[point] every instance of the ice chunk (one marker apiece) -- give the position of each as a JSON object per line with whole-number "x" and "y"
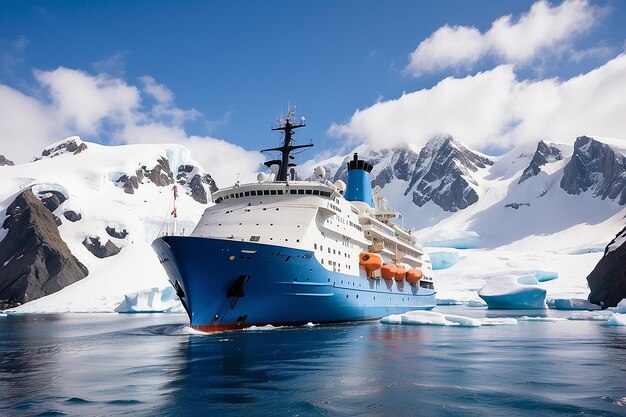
{"x": 620, "y": 308}
{"x": 498, "y": 321}
{"x": 574, "y": 304}
{"x": 591, "y": 315}
{"x": 617, "y": 319}
{"x": 443, "y": 259}
{"x": 550, "y": 303}
{"x": 543, "y": 276}
{"x": 463, "y": 321}
{"x": 266, "y": 327}
{"x": 448, "y": 302}
{"x": 510, "y": 292}
{"x": 527, "y": 318}
{"x": 422, "y": 317}
{"x": 392, "y": 319}
{"x": 152, "y": 300}
{"x": 3, "y": 314}
{"x": 476, "y": 303}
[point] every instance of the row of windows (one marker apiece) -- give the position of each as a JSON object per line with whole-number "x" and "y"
{"x": 272, "y": 192}
{"x": 335, "y": 252}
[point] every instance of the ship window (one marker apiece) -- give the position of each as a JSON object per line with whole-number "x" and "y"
{"x": 309, "y": 191}
{"x": 280, "y": 192}
{"x": 273, "y": 192}
{"x": 316, "y": 192}
{"x": 293, "y": 191}
{"x": 334, "y": 252}
{"x": 253, "y": 193}
{"x": 255, "y": 238}
{"x": 300, "y": 191}
{"x": 247, "y": 193}
{"x": 321, "y": 248}
{"x": 328, "y": 250}
{"x": 232, "y": 196}
{"x": 315, "y": 246}
{"x": 322, "y": 261}
{"x": 266, "y": 192}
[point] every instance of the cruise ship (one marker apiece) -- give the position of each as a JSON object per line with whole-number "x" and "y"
{"x": 283, "y": 251}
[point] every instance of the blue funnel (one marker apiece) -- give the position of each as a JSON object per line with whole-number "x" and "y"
{"x": 359, "y": 186}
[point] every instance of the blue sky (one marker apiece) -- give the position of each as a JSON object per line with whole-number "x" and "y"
{"x": 237, "y": 63}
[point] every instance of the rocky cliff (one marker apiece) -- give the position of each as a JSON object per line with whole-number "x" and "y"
{"x": 595, "y": 166}
{"x": 4, "y": 161}
{"x": 607, "y": 281}
{"x": 34, "y": 260}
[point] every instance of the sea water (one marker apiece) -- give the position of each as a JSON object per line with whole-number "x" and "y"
{"x": 155, "y": 365}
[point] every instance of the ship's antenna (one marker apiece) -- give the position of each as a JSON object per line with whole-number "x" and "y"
{"x": 287, "y": 125}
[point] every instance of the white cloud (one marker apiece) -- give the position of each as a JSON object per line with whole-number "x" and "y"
{"x": 544, "y": 30}
{"x": 495, "y": 109}
{"x": 71, "y": 102}
{"x": 83, "y": 101}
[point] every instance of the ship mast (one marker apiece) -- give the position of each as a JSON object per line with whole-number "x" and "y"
{"x": 287, "y": 125}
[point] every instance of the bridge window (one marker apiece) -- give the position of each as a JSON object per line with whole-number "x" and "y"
{"x": 266, "y": 192}
{"x": 273, "y": 192}
{"x": 300, "y": 191}
{"x": 316, "y": 192}
{"x": 293, "y": 191}
{"x": 247, "y": 193}
{"x": 309, "y": 191}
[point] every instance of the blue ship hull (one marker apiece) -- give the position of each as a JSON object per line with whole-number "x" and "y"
{"x": 226, "y": 284}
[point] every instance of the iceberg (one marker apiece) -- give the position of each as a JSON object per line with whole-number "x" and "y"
{"x": 448, "y": 302}
{"x": 617, "y": 319}
{"x": 476, "y": 303}
{"x": 432, "y": 318}
{"x": 574, "y": 304}
{"x": 152, "y": 300}
{"x": 498, "y": 321}
{"x": 591, "y": 316}
{"x": 510, "y": 292}
{"x": 620, "y": 307}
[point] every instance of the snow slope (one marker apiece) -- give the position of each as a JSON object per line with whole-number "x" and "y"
{"x": 89, "y": 182}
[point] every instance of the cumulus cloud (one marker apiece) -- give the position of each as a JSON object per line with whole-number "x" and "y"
{"x": 496, "y": 109}
{"x": 69, "y": 102}
{"x": 543, "y": 30}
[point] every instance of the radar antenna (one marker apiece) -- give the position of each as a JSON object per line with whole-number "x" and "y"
{"x": 287, "y": 125}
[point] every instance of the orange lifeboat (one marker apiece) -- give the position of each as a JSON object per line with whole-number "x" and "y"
{"x": 414, "y": 275}
{"x": 389, "y": 271}
{"x": 400, "y": 272}
{"x": 370, "y": 261}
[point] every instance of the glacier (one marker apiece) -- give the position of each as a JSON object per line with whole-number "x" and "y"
{"x": 152, "y": 300}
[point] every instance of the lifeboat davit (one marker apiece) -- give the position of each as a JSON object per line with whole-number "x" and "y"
{"x": 400, "y": 272}
{"x": 370, "y": 261}
{"x": 414, "y": 275}
{"x": 389, "y": 271}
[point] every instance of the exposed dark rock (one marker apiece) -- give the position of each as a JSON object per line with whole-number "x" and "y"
{"x": 57, "y": 221}
{"x": 51, "y": 199}
{"x": 195, "y": 185}
{"x": 607, "y": 281}
{"x": 38, "y": 262}
{"x": 68, "y": 146}
{"x": 443, "y": 174}
{"x": 597, "y": 167}
{"x": 98, "y": 249}
{"x": 516, "y": 205}
{"x": 72, "y": 216}
{"x": 161, "y": 174}
{"x": 130, "y": 184}
{"x": 111, "y": 231}
{"x": 5, "y": 162}
{"x": 545, "y": 153}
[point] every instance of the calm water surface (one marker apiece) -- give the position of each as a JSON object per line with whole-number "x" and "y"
{"x": 107, "y": 364}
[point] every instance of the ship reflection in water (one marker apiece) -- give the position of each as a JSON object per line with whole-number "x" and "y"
{"x": 156, "y": 365}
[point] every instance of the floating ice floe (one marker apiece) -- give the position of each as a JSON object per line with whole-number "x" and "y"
{"x": 591, "y": 315}
{"x": 3, "y": 315}
{"x": 309, "y": 324}
{"x": 476, "y": 303}
{"x": 528, "y": 318}
{"x": 266, "y": 327}
{"x": 458, "y": 239}
{"x": 574, "y": 304}
{"x": 421, "y": 317}
{"x": 543, "y": 276}
{"x": 448, "y": 302}
{"x": 498, "y": 321}
{"x": 510, "y": 292}
{"x": 616, "y": 319}
{"x": 152, "y": 300}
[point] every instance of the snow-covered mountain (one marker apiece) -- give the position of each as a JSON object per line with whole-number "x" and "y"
{"x": 109, "y": 203}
